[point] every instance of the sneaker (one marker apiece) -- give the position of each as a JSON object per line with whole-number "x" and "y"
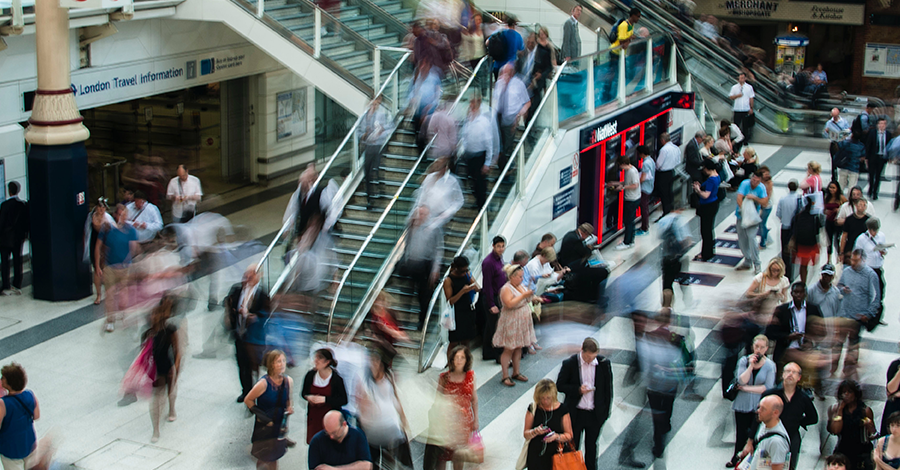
{"x": 757, "y": 269}
{"x": 641, "y": 233}
{"x": 623, "y": 246}
{"x": 16, "y": 291}
{"x": 110, "y": 327}
{"x": 742, "y": 266}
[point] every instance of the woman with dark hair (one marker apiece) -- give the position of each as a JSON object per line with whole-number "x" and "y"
{"x": 892, "y": 390}
{"x": 381, "y": 415}
{"x": 460, "y": 289}
{"x": 852, "y": 421}
{"x": 834, "y": 199}
{"x": 270, "y": 401}
{"x": 457, "y": 385}
{"x": 888, "y": 445}
{"x": 324, "y": 389}
{"x": 18, "y": 410}
{"x": 167, "y": 359}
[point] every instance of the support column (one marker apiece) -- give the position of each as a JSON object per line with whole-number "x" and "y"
{"x": 57, "y": 166}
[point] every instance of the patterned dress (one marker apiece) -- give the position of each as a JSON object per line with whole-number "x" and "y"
{"x": 515, "y": 329}
{"x": 460, "y": 394}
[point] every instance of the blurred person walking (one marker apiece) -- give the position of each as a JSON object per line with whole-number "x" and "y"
{"x": 381, "y": 415}
{"x": 306, "y": 205}
{"x": 849, "y": 157}
{"x": 96, "y": 222}
{"x": 755, "y": 191}
{"x": 18, "y": 411}
{"x": 853, "y": 422}
{"x": 185, "y": 193}
{"x": 668, "y": 159}
{"x": 792, "y": 326}
{"x": 876, "y": 155}
{"x": 799, "y": 410}
{"x": 675, "y": 238}
{"x": 324, "y": 390}
{"x": 707, "y": 208}
{"x": 458, "y": 386}
{"x": 14, "y": 228}
{"x": 755, "y": 374}
{"x": 853, "y": 226}
{"x": 786, "y": 210}
{"x": 545, "y": 61}
{"x": 806, "y": 228}
{"x": 586, "y": 379}
{"x": 442, "y": 127}
{"x": 859, "y": 285}
{"x": 493, "y": 279}
{"x": 422, "y": 258}
{"x": 766, "y": 208}
{"x": 118, "y": 244}
{"x": 339, "y": 446}
{"x": 144, "y": 216}
{"x": 515, "y": 329}
{"x": 834, "y": 199}
{"x": 480, "y": 141}
{"x": 662, "y": 362}
{"x": 424, "y": 93}
{"x": 460, "y": 288}
{"x": 547, "y": 425}
{"x": 271, "y": 403}
{"x": 504, "y": 45}
{"x": 510, "y": 101}
{"x": 246, "y": 310}
{"x": 571, "y": 45}
{"x": 440, "y": 193}
{"x": 771, "y": 283}
{"x": 166, "y": 345}
{"x": 375, "y": 130}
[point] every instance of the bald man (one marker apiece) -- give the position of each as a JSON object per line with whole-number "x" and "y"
{"x": 339, "y": 446}
{"x": 798, "y": 410}
{"x": 771, "y": 447}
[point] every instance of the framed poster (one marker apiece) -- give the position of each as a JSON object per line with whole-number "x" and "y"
{"x": 290, "y": 114}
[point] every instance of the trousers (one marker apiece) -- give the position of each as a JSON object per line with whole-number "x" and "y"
{"x": 585, "y": 422}
{"x": 707, "y": 213}
{"x": 876, "y": 168}
{"x": 747, "y": 243}
{"x": 663, "y": 187}
{"x": 661, "y": 410}
{"x": 371, "y": 165}
{"x": 16, "y": 254}
{"x": 847, "y": 179}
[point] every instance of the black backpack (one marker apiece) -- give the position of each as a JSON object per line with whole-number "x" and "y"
{"x": 613, "y": 35}
{"x": 497, "y": 47}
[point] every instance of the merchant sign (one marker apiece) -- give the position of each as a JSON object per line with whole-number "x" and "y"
{"x": 803, "y": 12}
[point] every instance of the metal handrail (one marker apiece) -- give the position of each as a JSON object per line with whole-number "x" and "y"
{"x": 328, "y": 165}
{"x": 357, "y": 318}
{"x": 484, "y": 208}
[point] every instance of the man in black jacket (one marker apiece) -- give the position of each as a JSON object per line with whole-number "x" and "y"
{"x": 692, "y": 159}
{"x": 798, "y": 407}
{"x": 876, "y": 155}
{"x": 586, "y": 379}
{"x": 587, "y": 283}
{"x": 790, "y": 325}
{"x": 13, "y": 232}
{"x": 246, "y": 310}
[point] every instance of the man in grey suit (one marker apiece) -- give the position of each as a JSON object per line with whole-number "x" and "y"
{"x": 571, "y": 46}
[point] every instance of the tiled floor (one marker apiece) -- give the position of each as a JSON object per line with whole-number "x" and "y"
{"x": 76, "y": 371}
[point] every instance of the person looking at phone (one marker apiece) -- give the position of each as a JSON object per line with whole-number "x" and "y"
{"x": 859, "y": 286}
{"x": 586, "y": 379}
{"x": 755, "y": 374}
{"x": 546, "y": 423}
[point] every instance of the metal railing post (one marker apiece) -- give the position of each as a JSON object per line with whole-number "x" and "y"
{"x": 648, "y": 70}
{"x": 589, "y": 96}
{"x": 673, "y": 65}
{"x": 395, "y": 88}
{"x": 376, "y": 70}
{"x": 317, "y": 37}
{"x": 260, "y": 8}
{"x": 621, "y": 75}
{"x": 485, "y": 235}
{"x": 520, "y": 173}
{"x": 554, "y": 110}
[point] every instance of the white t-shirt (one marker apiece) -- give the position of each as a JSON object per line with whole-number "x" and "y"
{"x": 772, "y": 450}
{"x": 188, "y": 188}
{"x": 742, "y": 104}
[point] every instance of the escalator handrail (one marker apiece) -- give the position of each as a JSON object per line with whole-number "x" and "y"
{"x": 328, "y": 165}
{"x": 357, "y": 318}
{"x": 438, "y": 290}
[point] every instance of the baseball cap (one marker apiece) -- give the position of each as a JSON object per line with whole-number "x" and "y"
{"x": 828, "y": 269}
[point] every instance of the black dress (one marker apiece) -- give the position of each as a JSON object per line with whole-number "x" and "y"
{"x": 464, "y": 311}
{"x": 540, "y": 454}
{"x": 851, "y": 442}
{"x": 163, "y": 352}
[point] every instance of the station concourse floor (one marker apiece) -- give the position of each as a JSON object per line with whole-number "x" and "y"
{"x": 75, "y": 369}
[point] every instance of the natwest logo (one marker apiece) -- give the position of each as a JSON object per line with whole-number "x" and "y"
{"x": 604, "y": 132}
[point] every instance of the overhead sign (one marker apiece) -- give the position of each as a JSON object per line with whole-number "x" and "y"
{"x": 807, "y": 12}
{"x": 94, "y": 3}
{"x": 600, "y": 131}
{"x": 882, "y": 60}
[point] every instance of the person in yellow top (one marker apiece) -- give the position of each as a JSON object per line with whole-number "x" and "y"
{"x": 625, "y": 31}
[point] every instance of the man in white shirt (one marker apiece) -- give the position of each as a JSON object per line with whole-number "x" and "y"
{"x": 668, "y": 159}
{"x": 511, "y": 102}
{"x": 144, "y": 217}
{"x": 185, "y": 192}
{"x": 375, "y": 128}
{"x": 869, "y": 242}
{"x": 440, "y": 193}
{"x": 836, "y": 130}
{"x": 480, "y": 139}
{"x": 742, "y": 95}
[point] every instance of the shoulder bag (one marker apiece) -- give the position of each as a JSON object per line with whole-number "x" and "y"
{"x": 573, "y": 460}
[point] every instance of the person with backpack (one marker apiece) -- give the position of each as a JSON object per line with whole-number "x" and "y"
{"x": 862, "y": 122}
{"x": 675, "y": 240}
{"x": 772, "y": 447}
{"x": 806, "y": 227}
{"x": 620, "y": 36}
{"x": 18, "y": 411}
{"x": 850, "y": 154}
{"x": 504, "y": 45}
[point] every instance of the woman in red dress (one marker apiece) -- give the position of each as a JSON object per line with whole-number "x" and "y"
{"x": 458, "y": 386}
{"x": 324, "y": 389}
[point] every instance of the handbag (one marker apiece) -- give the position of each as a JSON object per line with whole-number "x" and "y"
{"x": 140, "y": 376}
{"x": 731, "y": 391}
{"x": 573, "y": 460}
{"x": 473, "y": 451}
{"x": 522, "y": 461}
{"x": 268, "y": 442}
{"x": 749, "y": 214}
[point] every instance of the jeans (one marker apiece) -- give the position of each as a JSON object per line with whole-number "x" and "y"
{"x": 747, "y": 242}
{"x": 629, "y": 209}
{"x": 707, "y": 213}
{"x": 645, "y": 211}
{"x": 763, "y": 231}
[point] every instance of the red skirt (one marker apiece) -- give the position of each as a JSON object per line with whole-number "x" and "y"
{"x": 807, "y": 255}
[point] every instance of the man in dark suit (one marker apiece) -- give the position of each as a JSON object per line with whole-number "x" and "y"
{"x": 246, "y": 311}
{"x": 586, "y": 379}
{"x": 693, "y": 162}
{"x": 14, "y": 225}
{"x": 794, "y": 324}
{"x": 876, "y": 155}
{"x": 587, "y": 282}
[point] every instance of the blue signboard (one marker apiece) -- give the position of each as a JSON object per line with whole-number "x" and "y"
{"x": 565, "y": 177}
{"x": 563, "y": 202}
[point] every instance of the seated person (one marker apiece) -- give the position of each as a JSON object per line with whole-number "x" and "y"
{"x": 540, "y": 267}
{"x": 588, "y": 283}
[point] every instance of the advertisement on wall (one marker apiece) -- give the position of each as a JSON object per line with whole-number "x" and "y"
{"x": 290, "y": 114}
{"x": 802, "y": 12}
{"x": 882, "y": 60}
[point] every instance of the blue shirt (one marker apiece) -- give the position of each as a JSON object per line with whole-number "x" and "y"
{"x": 744, "y": 189}
{"x": 648, "y": 167}
{"x": 514, "y": 44}
{"x": 118, "y": 244}
{"x": 712, "y": 185}
{"x": 17, "y": 436}
{"x": 327, "y": 451}
{"x": 848, "y": 155}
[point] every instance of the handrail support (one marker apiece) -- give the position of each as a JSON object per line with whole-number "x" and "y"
{"x": 621, "y": 74}
{"x": 317, "y": 34}
{"x": 589, "y": 96}
{"x": 648, "y": 70}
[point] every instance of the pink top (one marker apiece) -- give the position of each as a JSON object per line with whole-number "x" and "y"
{"x": 814, "y": 184}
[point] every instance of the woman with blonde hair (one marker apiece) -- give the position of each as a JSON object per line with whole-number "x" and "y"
{"x": 772, "y": 281}
{"x": 270, "y": 400}
{"x": 706, "y": 147}
{"x": 514, "y": 328}
{"x": 546, "y": 423}
{"x": 755, "y": 374}
{"x": 813, "y": 182}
